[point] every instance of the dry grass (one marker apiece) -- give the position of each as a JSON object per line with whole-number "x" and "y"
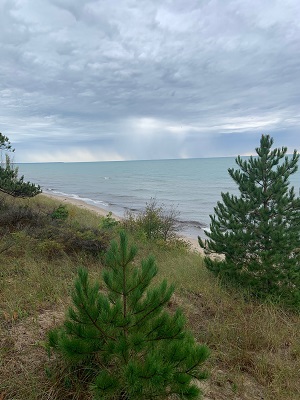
{"x": 255, "y": 348}
{"x": 253, "y": 345}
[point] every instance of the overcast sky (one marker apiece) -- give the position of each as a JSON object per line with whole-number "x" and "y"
{"x": 88, "y": 80}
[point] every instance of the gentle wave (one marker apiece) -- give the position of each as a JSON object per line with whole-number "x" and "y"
{"x": 77, "y": 197}
{"x": 195, "y": 224}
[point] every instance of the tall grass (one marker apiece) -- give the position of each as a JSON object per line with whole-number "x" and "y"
{"x": 255, "y": 347}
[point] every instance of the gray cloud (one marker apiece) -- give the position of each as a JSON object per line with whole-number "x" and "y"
{"x": 99, "y": 80}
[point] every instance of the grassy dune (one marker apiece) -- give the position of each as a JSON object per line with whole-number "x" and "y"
{"x": 255, "y": 348}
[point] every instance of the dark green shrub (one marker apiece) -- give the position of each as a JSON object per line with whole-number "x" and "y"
{"x": 50, "y": 230}
{"x": 91, "y": 241}
{"x": 10, "y": 183}
{"x": 131, "y": 346}
{"x": 74, "y": 240}
{"x": 61, "y": 213}
{"x": 16, "y": 217}
{"x": 108, "y": 222}
{"x": 13, "y": 185}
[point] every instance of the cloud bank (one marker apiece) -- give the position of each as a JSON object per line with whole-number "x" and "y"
{"x": 96, "y": 80}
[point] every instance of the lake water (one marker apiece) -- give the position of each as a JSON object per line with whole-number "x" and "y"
{"x": 193, "y": 186}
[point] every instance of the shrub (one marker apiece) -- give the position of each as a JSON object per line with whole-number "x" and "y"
{"x": 16, "y": 217}
{"x": 155, "y": 221}
{"x": 51, "y": 231}
{"x": 50, "y": 248}
{"x": 61, "y": 213}
{"x": 92, "y": 241}
{"x": 74, "y": 240}
{"x": 108, "y": 222}
{"x": 132, "y": 348}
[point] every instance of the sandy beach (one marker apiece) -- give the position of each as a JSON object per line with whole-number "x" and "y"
{"x": 81, "y": 204}
{"x": 103, "y": 213}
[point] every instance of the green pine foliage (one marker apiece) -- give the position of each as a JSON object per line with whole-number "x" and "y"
{"x": 108, "y": 222}
{"x": 5, "y": 143}
{"x": 133, "y": 346}
{"x": 257, "y": 232}
{"x": 10, "y": 183}
{"x": 13, "y": 185}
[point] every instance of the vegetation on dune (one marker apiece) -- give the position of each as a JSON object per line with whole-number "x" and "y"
{"x": 50, "y": 231}
{"x": 258, "y": 231}
{"x": 10, "y": 183}
{"x": 155, "y": 222}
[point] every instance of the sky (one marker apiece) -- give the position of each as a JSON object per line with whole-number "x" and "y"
{"x": 89, "y": 80}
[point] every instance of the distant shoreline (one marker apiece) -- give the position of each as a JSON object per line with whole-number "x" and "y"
{"x": 103, "y": 213}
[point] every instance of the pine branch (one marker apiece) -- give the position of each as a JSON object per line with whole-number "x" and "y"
{"x": 150, "y": 312}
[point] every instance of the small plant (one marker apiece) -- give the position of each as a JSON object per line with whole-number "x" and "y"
{"x": 61, "y": 213}
{"x": 108, "y": 222}
{"x": 133, "y": 348}
{"x": 154, "y": 222}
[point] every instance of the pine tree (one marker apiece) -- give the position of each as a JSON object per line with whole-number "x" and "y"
{"x": 5, "y": 143}
{"x": 258, "y": 231}
{"x": 10, "y": 183}
{"x": 140, "y": 350}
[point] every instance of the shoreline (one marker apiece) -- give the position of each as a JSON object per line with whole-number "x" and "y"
{"x": 103, "y": 213}
{"x": 81, "y": 204}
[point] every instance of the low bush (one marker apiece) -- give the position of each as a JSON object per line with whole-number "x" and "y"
{"x": 91, "y": 241}
{"x": 60, "y": 213}
{"x": 52, "y": 233}
{"x": 108, "y": 222}
{"x": 155, "y": 222}
{"x": 17, "y": 217}
{"x": 74, "y": 240}
{"x": 50, "y": 248}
